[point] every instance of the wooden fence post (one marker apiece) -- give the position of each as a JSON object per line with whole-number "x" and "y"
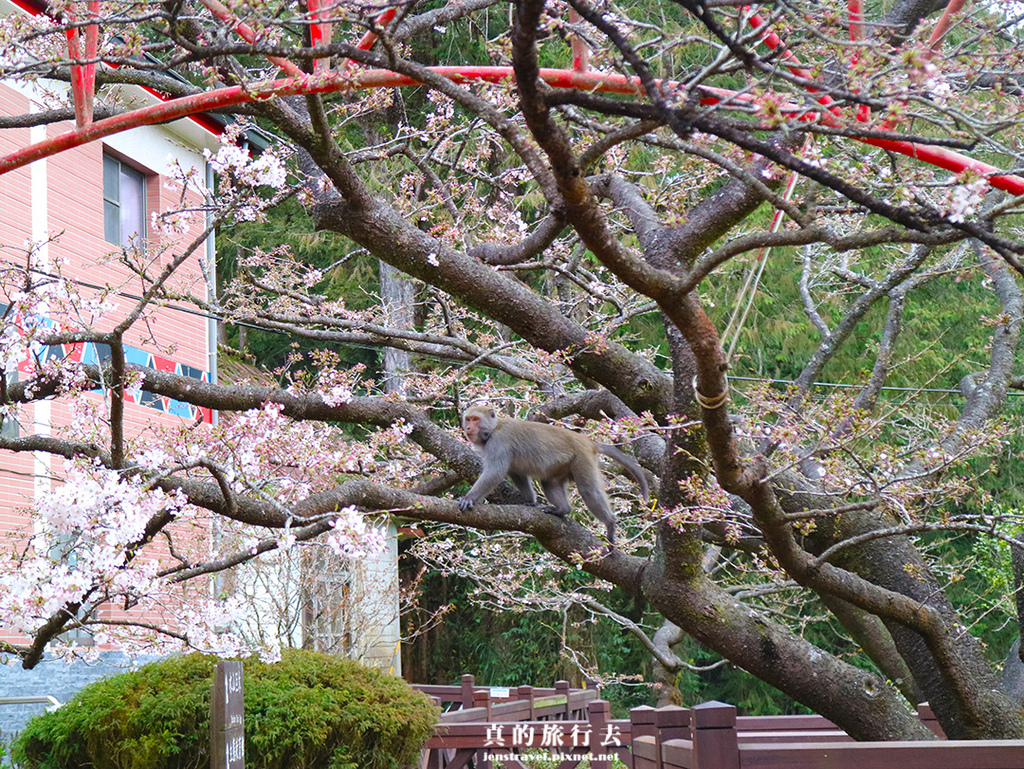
{"x": 526, "y": 693}
{"x": 641, "y": 721}
{"x": 927, "y": 716}
{"x": 714, "y": 736}
{"x": 562, "y": 690}
{"x": 482, "y": 699}
{"x": 468, "y": 686}
{"x": 598, "y": 716}
{"x": 434, "y": 759}
{"x": 672, "y": 723}
{"x": 643, "y": 738}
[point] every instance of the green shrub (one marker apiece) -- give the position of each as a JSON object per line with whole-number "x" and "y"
{"x": 309, "y": 711}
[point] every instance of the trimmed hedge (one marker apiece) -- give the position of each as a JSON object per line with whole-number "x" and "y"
{"x": 309, "y": 711}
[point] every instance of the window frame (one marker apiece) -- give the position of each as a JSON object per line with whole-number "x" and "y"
{"x": 9, "y": 428}
{"x": 115, "y": 172}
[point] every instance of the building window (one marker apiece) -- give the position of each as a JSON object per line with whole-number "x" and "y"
{"x": 124, "y": 204}
{"x": 62, "y": 550}
{"x": 8, "y": 424}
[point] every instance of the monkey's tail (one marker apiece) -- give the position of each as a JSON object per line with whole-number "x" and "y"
{"x": 629, "y": 463}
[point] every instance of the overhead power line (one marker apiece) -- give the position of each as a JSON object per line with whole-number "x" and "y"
{"x": 220, "y": 318}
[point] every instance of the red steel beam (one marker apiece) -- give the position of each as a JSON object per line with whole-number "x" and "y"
{"x": 83, "y": 75}
{"x": 557, "y": 78}
{"x": 246, "y": 32}
{"x": 580, "y": 49}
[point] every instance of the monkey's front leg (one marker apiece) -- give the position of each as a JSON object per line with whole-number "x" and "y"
{"x": 488, "y": 481}
{"x": 521, "y": 482}
{"x": 496, "y": 464}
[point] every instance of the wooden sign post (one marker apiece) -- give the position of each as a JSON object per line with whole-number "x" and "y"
{"x": 227, "y": 717}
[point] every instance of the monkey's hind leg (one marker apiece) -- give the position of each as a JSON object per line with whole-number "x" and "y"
{"x": 558, "y": 500}
{"x": 525, "y": 487}
{"x": 591, "y": 487}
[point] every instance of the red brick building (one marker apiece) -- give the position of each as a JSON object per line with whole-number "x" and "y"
{"x": 81, "y": 209}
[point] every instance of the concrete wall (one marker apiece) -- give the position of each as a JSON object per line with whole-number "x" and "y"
{"x": 54, "y": 678}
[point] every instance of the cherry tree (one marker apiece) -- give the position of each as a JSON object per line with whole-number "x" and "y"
{"x": 584, "y": 242}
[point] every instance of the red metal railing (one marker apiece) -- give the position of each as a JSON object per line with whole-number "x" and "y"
{"x": 580, "y": 77}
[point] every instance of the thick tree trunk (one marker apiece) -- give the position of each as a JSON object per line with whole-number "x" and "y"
{"x": 399, "y": 295}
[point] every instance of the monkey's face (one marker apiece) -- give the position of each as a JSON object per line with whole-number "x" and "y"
{"x": 477, "y": 425}
{"x": 471, "y": 427}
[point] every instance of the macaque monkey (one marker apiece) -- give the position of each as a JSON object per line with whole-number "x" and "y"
{"x": 523, "y": 450}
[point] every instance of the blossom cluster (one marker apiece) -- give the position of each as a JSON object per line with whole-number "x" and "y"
{"x": 263, "y": 170}
{"x": 242, "y": 176}
{"x": 88, "y": 528}
{"x": 965, "y": 199}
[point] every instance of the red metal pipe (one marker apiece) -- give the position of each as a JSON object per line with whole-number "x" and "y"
{"x": 580, "y": 49}
{"x": 855, "y": 12}
{"x": 945, "y": 22}
{"x": 578, "y": 78}
{"x": 77, "y": 87}
{"x": 226, "y": 97}
{"x": 92, "y": 45}
{"x": 366, "y": 41}
{"x": 320, "y": 30}
{"x": 794, "y": 65}
{"x": 83, "y": 76}
{"x": 557, "y": 78}
{"x": 940, "y": 157}
{"x": 244, "y": 31}
{"x": 773, "y": 41}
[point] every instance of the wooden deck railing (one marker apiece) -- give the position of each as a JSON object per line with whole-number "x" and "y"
{"x": 571, "y": 725}
{"x": 720, "y": 740}
{"x": 505, "y": 704}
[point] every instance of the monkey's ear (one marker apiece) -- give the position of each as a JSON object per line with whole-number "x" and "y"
{"x": 493, "y": 415}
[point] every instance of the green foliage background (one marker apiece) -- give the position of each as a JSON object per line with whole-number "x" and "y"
{"x": 941, "y": 342}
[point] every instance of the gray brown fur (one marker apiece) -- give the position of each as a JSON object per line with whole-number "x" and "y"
{"x": 553, "y": 455}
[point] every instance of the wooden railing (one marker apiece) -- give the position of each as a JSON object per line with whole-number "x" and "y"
{"x": 571, "y": 725}
{"x": 720, "y": 740}
{"x": 506, "y": 704}
{"x": 483, "y": 724}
